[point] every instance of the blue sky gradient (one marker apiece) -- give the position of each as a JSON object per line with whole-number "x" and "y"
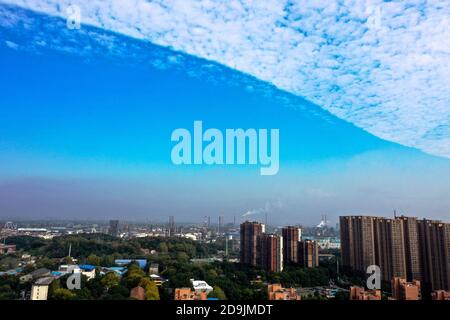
{"x": 85, "y": 129}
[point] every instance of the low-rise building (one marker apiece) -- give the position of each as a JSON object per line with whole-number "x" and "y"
{"x": 201, "y": 286}
{"x": 7, "y": 248}
{"x": 39, "y": 290}
{"x": 199, "y": 291}
{"x": 36, "y": 274}
{"x": 154, "y": 268}
{"x": 440, "y": 295}
{"x": 69, "y": 268}
{"x": 88, "y": 271}
{"x": 403, "y": 290}
{"x": 125, "y": 262}
{"x": 158, "y": 280}
{"x": 11, "y": 272}
{"x": 358, "y": 293}
{"x": 277, "y": 292}
{"x": 189, "y": 294}
{"x": 120, "y": 271}
{"x": 85, "y": 269}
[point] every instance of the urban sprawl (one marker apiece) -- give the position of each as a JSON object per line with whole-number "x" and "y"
{"x": 216, "y": 261}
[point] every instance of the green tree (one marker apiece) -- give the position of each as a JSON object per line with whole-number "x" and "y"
{"x": 53, "y": 287}
{"x": 110, "y": 280}
{"x": 182, "y": 257}
{"x": 133, "y": 276}
{"x": 163, "y": 248}
{"x": 96, "y": 287}
{"x": 217, "y": 293}
{"x": 211, "y": 274}
{"x": 68, "y": 260}
{"x": 48, "y": 263}
{"x": 63, "y": 294}
{"x": 9, "y": 262}
{"x": 151, "y": 290}
{"x": 117, "y": 293}
{"x": 7, "y": 293}
{"x": 94, "y": 260}
{"x": 107, "y": 260}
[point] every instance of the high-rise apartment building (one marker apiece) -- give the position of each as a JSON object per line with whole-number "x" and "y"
{"x": 261, "y": 249}
{"x": 411, "y": 244}
{"x": 389, "y": 247}
{"x": 402, "y": 247}
{"x": 434, "y": 247}
{"x": 270, "y": 252}
{"x": 220, "y": 224}
{"x": 172, "y": 228}
{"x": 308, "y": 253}
{"x": 250, "y": 232}
{"x": 114, "y": 227}
{"x": 357, "y": 241}
{"x": 291, "y": 238}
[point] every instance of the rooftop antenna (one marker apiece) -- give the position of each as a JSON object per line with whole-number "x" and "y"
{"x": 395, "y": 213}
{"x": 266, "y": 219}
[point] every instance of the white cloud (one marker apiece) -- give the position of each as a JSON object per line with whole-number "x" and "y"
{"x": 11, "y": 44}
{"x": 384, "y": 66}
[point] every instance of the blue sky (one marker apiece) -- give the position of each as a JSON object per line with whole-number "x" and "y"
{"x": 382, "y": 65}
{"x": 85, "y": 124}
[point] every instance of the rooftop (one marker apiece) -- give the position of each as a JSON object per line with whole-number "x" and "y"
{"x": 201, "y": 285}
{"x": 44, "y": 281}
{"x": 86, "y": 267}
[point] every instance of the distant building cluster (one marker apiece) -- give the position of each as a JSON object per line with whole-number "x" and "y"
{"x": 326, "y": 243}
{"x": 11, "y": 229}
{"x": 403, "y": 247}
{"x": 273, "y": 251}
{"x": 6, "y": 249}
